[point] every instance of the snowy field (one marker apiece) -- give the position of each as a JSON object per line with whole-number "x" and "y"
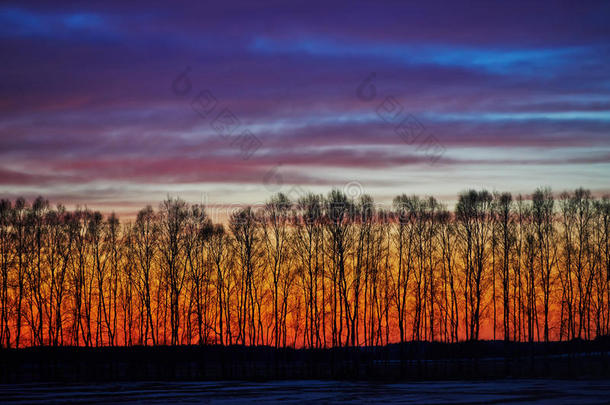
{"x": 228, "y": 392}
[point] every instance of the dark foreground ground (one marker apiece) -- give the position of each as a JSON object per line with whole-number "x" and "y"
{"x": 533, "y": 391}
{"x": 414, "y": 361}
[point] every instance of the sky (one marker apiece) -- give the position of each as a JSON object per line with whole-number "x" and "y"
{"x": 115, "y": 105}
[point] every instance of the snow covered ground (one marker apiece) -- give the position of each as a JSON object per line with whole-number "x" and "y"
{"x": 227, "y": 392}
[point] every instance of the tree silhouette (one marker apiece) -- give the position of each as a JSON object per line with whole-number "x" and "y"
{"x": 322, "y": 271}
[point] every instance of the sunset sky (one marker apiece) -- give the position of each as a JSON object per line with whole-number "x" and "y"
{"x": 93, "y": 110}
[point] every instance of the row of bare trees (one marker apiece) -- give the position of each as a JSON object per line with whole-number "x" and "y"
{"x": 318, "y": 272}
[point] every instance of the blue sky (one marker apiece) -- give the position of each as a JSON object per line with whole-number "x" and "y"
{"x": 506, "y": 96}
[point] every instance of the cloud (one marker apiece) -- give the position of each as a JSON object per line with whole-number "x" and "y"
{"x": 87, "y": 92}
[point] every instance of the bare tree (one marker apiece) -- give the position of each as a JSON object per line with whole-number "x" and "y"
{"x": 173, "y": 216}
{"x": 275, "y": 223}
{"x": 505, "y": 222}
{"x": 144, "y": 240}
{"x": 113, "y": 244}
{"x": 447, "y": 234}
{"x": 406, "y": 214}
{"x": 197, "y": 232}
{"x": 326, "y": 272}
{"x": 544, "y": 219}
{"x": 338, "y": 210}
{"x": 245, "y": 228}
{"x": 308, "y": 238}
{"x": 473, "y": 213}
{"x": 6, "y": 259}
{"x": 221, "y": 256}
{"x": 60, "y": 237}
